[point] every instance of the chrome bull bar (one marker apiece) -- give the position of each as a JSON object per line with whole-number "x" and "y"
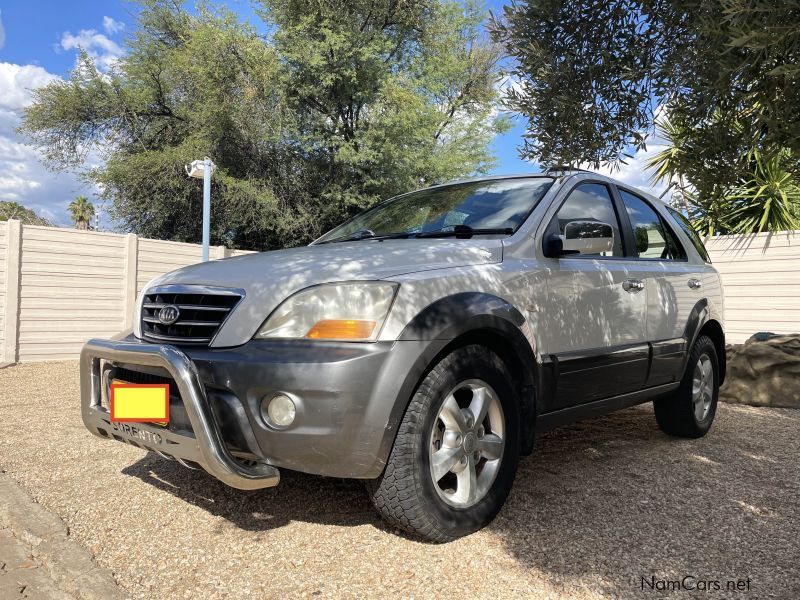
{"x": 207, "y": 447}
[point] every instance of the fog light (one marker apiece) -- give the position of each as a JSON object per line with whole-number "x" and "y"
{"x": 280, "y": 410}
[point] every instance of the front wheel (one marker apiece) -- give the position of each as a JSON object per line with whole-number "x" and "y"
{"x": 690, "y": 411}
{"x": 456, "y": 451}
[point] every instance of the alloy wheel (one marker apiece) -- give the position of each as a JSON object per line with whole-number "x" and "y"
{"x": 702, "y": 387}
{"x": 467, "y": 442}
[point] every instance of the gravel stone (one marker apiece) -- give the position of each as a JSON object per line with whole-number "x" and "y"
{"x": 597, "y": 508}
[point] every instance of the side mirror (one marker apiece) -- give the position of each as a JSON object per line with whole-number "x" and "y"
{"x": 581, "y": 237}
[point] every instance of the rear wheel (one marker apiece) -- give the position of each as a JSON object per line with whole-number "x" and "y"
{"x": 455, "y": 456}
{"x": 691, "y": 410}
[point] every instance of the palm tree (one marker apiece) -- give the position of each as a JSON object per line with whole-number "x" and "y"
{"x": 81, "y": 211}
{"x": 768, "y": 198}
{"x": 764, "y": 194}
{"x": 666, "y": 163}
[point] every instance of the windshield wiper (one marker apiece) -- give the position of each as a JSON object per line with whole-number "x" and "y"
{"x": 367, "y": 234}
{"x": 463, "y": 231}
{"x": 459, "y": 231}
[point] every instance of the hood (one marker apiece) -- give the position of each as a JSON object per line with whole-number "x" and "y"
{"x": 268, "y": 278}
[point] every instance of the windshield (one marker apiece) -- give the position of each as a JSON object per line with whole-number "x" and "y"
{"x": 495, "y": 206}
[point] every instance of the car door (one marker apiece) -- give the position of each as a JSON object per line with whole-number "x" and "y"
{"x": 672, "y": 282}
{"x": 593, "y": 321}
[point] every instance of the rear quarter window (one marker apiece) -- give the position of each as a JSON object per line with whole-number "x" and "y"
{"x": 684, "y": 224}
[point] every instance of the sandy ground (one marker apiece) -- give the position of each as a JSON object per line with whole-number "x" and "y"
{"x": 597, "y": 508}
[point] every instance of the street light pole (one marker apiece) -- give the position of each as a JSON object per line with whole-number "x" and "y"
{"x": 202, "y": 169}
{"x": 206, "y": 206}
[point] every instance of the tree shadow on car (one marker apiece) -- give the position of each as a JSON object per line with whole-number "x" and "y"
{"x": 298, "y": 497}
{"x": 609, "y": 504}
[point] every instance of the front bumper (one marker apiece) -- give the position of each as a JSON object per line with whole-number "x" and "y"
{"x": 349, "y": 399}
{"x": 206, "y": 448}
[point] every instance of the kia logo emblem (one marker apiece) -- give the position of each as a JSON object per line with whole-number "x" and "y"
{"x": 168, "y": 314}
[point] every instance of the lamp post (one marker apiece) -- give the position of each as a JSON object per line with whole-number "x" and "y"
{"x": 202, "y": 169}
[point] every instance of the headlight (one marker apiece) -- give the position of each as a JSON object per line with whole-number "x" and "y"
{"x": 353, "y": 311}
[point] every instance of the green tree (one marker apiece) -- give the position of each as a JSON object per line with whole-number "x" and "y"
{"x": 592, "y": 74}
{"x": 15, "y": 210}
{"x": 341, "y": 104}
{"x": 762, "y": 195}
{"x": 81, "y": 212}
{"x": 767, "y": 198}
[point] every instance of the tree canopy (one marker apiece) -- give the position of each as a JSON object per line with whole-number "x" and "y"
{"x": 81, "y": 212}
{"x": 593, "y": 76}
{"x": 15, "y": 210}
{"x": 326, "y": 108}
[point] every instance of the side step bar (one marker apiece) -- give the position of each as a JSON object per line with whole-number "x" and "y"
{"x": 207, "y": 447}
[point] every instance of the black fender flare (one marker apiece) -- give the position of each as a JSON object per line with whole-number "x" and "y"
{"x": 448, "y": 317}
{"x": 439, "y": 324}
{"x": 699, "y": 316}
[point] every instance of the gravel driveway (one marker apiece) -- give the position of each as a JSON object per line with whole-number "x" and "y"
{"x": 598, "y": 507}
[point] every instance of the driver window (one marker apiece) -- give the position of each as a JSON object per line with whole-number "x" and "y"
{"x": 591, "y": 202}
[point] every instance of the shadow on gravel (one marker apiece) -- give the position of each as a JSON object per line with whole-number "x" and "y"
{"x": 298, "y": 497}
{"x": 603, "y": 503}
{"x": 610, "y": 501}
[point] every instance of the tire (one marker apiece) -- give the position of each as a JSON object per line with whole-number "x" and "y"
{"x": 681, "y": 414}
{"x": 406, "y": 495}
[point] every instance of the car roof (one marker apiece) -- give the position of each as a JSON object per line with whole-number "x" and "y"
{"x": 558, "y": 173}
{"x": 562, "y": 174}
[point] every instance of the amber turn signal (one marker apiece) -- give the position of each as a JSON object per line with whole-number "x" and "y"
{"x": 338, "y": 329}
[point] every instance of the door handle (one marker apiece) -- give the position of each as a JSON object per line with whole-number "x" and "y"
{"x": 695, "y": 284}
{"x": 633, "y": 285}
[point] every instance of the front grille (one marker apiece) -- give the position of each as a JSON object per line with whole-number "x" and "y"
{"x": 138, "y": 377}
{"x": 201, "y": 312}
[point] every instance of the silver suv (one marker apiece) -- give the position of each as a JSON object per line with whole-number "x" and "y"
{"x": 421, "y": 345}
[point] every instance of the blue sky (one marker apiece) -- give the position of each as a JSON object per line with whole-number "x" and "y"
{"x": 39, "y": 41}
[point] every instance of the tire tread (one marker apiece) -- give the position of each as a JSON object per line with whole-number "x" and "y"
{"x": 395, "y": 494}
{"x": 675, "y": 413}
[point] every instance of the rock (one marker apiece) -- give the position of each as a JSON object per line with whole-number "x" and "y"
{"x": 761, "y": 336}
{"x": 730, "y": 352}
{"x": 765, "y": 371}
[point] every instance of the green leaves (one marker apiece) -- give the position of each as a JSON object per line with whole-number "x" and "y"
{"x": 590, "y": 70}
{"x": 760, "y": 194}
{"x": 340, "y": 104}
{"x": 81, "y": 211}
{"x": 768, "y": 199}
{"x": 15, "y": 210}
{"x": 593, "y": 73}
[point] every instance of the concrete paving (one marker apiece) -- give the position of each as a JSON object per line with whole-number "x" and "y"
{"x": 38, "y": 560}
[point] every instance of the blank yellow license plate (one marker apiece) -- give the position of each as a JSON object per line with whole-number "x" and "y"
{"x": 139, "y": 403}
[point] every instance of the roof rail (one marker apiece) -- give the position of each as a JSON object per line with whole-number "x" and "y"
{"x": 567, "y": 168}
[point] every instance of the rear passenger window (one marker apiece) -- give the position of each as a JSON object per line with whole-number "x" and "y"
{"x": 653, "y": 237}
{"x": 684, "y": 224}
{"x": 591, "y": 202}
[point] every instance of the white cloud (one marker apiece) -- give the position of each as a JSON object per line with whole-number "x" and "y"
{"x": 2, "y": 32}
{"x": 503, "y": 86}
{"x": 23, "y": 177}
{"x": 16, "y": 83}
{"x": 635, "y": 172}
{"x": 112, "y": 26}
{"x": 510, "y": 83}
{"x": 103, "y": 50}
